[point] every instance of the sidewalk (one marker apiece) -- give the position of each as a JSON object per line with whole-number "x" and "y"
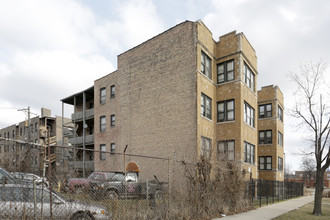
{"x": 271, "y": 211}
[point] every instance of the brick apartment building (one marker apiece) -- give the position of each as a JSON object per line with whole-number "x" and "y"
{"x": 181, "y": 95}
{"x": 22, "y": 145}
{"x": 308, "y": 178}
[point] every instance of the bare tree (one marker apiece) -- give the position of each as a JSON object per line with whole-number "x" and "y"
{"x": 313, "y": 111}
{"x": 308, "y": 165}
{"x": 287, "y": 171}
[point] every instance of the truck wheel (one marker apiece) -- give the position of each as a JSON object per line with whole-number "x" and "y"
{"x": 78, "y": 189}
{"x": 158, "y": 194}
{"x": 113, "y": 195}
{"x": 81, "y": 216}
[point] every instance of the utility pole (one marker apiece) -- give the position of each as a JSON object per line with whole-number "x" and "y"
{"x": 28, "y": 112}
{"x": 28, "y": 152}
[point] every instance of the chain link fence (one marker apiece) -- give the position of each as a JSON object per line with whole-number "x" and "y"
{"x": 37, "y": 182}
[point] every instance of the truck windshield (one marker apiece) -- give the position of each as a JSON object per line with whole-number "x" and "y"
{"x": 130, "y": 177}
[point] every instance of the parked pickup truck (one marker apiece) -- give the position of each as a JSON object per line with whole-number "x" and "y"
{"x": 129, "y": 186}
{"x": 79, "y": 184}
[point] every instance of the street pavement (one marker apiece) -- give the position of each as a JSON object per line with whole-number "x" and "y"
{"x": 271, "y": 211}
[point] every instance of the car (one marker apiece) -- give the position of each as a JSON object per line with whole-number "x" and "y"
{"x": 31, "y": 177}
{"x": 7, "y": 178}
{"x": 83, "y": 184}
{"x": 25, "y": 202}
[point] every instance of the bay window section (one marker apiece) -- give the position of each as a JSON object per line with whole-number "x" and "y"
{"x": 265, "y": 111}
{"x": 249, "y": 152}
{"x": 206, "y": 65}
{"x": 280, "y": 163}
{"x": 206, "y": 147}
{"x": 249, "y": 115}
{"x": 226, "y": 150}
{"x": 280, "y": 113}
{"x": 206, "y": 106}
{"x": 265, "y": 163}
{"x": 249, "y": 77}
{"x": 226, "y": 71}
{"x": 226, "y": 111}
{"x": 265, "y": 137}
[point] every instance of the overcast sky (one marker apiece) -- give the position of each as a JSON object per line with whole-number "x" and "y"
{"x": 51, "y": 49}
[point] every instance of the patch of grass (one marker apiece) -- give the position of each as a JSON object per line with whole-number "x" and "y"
{"x": 306, "y": 212}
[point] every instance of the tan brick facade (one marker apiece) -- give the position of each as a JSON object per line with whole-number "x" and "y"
{"x": 272, "y": 95}
{"x": 169, "y": 96}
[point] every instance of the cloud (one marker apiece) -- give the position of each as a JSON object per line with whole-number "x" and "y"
{"x": 136, "y": 22}
{"x": 51, "y": 49}
{"x": 46, "y": 25}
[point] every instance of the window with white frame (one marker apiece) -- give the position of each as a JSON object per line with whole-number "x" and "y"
{"x": 249, "y": 150}
{"x": 206, "y": 147}
{"x": 265, "y": 137}
{"x": 206, "y": 106}
{"x": 249, "y": 114}
{"x": 103, "y": 94}
{"x": 280, "y": 163}
{"x": 280, "y": 113}
{"x": 280, "y": 138}
{"x": 206, "y": 65}
{"x": 249, "y": 77}
{"x": 102, "y": 124}
{"x": 102, "y": 152}
{"x": 265, "y": 163}
{"x": 226, "y": 111}
{"x": 265, "y": 111}
{"x": 226, "y": 150}
{"x": 226, "y": 71}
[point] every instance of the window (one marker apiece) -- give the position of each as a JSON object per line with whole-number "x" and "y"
{"x": 265, "y": 137}
{"x": 102, "y": 123}
{"x": 102, "y": 152}
{"x": 226, "y": 71}
{"x": 113, "y": 120}
{"x": 226, "y": 150}
{"x": 280, "y": 113}
{"x": 265, "y": 111}
{"x": 280, "y": 163}
{"x": 31, "y": 128}
{"x": 20, "y": 131}
{"x": 36, "y": 127}
{"x": 280, "y": 139}
{"x": 206, "y": 65}
{"x": 226, "y": 111}
{"x": 206, "y": 106}
{"x": 249, "y": 77}
{"x": 103, "y": 94}
{"x": 112, "y": 148}
{"x": 248, "y": 114}
{"x": 36, "y": 160}
{"x": 112, "y": 91}
{"x": 205, "y": 147}
{"x": 248, "y": 153}
{"x": 265, "y": 163}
